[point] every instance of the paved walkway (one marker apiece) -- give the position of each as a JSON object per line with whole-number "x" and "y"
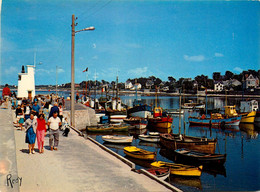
{"x": 78, "y": 165}
{"x": 8, "y": 166}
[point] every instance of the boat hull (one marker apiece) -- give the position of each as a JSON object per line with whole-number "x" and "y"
{"x": 149, "y": 138}
{"x": 142, "y": 111}
{"x": 248, "y": 117}
{"x": 99, "y": 129}
{"x": 160, "y": 173}
{"x": 139, "y": 153}
{"x": 117, "y": 118}
{"x": 160, "y": 123}
{"x": 198, "y": 158}
{"x": 116, "y": 139}
{"x": 138, "y": 123}
{"x": 173, "y": 142}
{"x": 180, "y": 169}
{"x": 215, "y": 122}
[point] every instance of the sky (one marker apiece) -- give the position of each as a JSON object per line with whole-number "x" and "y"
{"x": 131, "y": 39}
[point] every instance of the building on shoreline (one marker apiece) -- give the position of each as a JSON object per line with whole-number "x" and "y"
{"x": 26, "y": 82}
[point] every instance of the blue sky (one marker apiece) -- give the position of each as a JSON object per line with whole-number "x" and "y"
{"x": 132, "y": 38}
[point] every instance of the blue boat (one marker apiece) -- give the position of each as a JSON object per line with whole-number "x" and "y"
{"x": 220, "y": 121}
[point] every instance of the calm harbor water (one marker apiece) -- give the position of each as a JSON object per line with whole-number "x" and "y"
{"x": 241, "y": 171}
{"x": 241, "y": 144}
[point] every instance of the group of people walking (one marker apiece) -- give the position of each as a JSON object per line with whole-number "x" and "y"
{"x": 36, "y": 118}
{"x": 37, "y": 128}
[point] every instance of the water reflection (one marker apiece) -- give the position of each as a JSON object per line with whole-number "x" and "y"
{"x": 249, "y": 129}
{"x": 189, "y": 182}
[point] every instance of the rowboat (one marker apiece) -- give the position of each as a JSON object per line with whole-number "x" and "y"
{"x": 175, "y": 141}
{"x": 196, "y": 157}
{"x": 161, "y": 173}
{"x": 139, "y": 153}
{"x": 117, "y": 139}
{"x": 99, "y": 128}
{"x": 149, "y": 138}
{"x": 120, "y": 127}
{"x": 180, "y": 169}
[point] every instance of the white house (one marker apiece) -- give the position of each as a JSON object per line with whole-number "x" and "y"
{"x": 128, "y": 85}
{"x": 26, "y": 82}
{"x": 252, "y": 82}
{"x": 137, "y": 86}
{"x": 218, "y": 86}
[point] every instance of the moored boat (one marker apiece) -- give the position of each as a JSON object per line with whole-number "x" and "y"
{"x": 149, "y": 138}
{"x": 215, "y": 120}
{"x": 248, "y": 110}
{"x": 160, "y": 123}
{"x": 103, "y": 128}
{"x": 174, "y": 141}
{"x": 121, "y": 127}
{"x": 139, "y": 153}
{"x": 139, "y": 109}
{"x": 180, "y": 169}
{"x": 117, "y": 139}
{"x": 198, "y": 158}
{"x": 174, "y": 111}
{"x": 139, "y": 123}
{"x": 161, "y": 173}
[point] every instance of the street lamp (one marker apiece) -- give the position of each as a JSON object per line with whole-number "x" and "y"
{"x": 72, "y": 107}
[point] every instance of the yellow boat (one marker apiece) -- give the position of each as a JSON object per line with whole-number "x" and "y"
{"x": 248, "y": 117}
{"x": 139, "y": 153}
{"x": 180, "y": 169}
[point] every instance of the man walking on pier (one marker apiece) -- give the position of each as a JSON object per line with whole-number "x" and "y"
{"x": 54, "y": 123}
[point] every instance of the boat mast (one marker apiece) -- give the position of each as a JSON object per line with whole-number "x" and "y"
{"x": 180, "y": 114}
{"x": 95, "y": 89}
{"x": 117, "y": 91}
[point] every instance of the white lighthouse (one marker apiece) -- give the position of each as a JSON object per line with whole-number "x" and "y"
{"x": 26, "y": 82}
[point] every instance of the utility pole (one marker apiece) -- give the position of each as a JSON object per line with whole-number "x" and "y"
{"x": 72, "y": 99}
{"x": 73, "y": 32}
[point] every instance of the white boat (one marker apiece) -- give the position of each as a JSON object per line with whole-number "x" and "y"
{"x": 200, "y": 106}
{"x": 154, "y": 133}
{"x": 117, "y": 139}
{"x": 149, "y": 138}
{"x": 175, "y": 111}
{"x": 117, "y": 118}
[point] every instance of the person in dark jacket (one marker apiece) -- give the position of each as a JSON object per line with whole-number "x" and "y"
{"x": 55, "y": 108}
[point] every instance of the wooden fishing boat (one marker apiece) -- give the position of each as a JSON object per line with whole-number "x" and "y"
{"x": 149, "y": 138}
{"x": 180, "y": 169}
{"x": 139, "y": 153}
{"x": 215, "y": 120}
{"x": 159, "y": 122}
{"x": 161, "y": 173}
{"x": 199, "y": 158}
{"x": 248, "y": 110}
{"x": 117, "y": 139}
{"x": 139, "y": 110}
{"x": 175, "y": 141}
{"x": 139, "y": 123}
{"x": 99, "y": 128}
{"x": 121, "y": 127}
